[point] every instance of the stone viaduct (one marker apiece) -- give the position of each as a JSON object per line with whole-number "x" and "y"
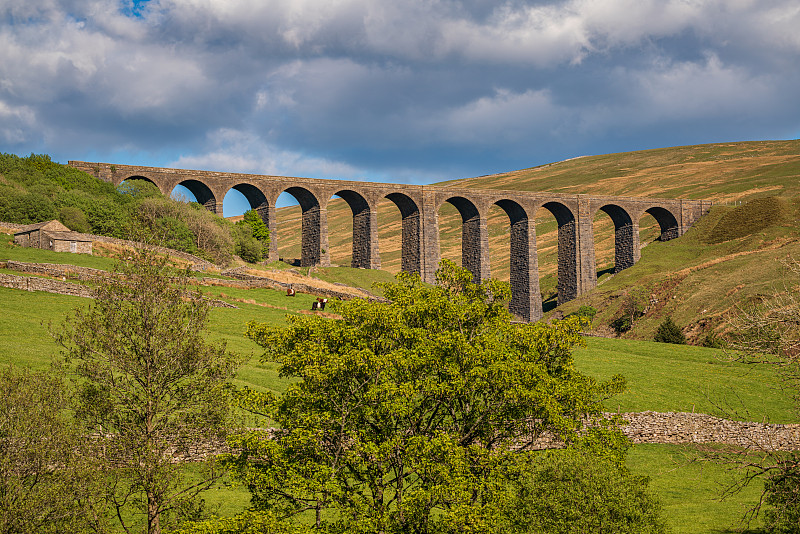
{"x": 419, "y": 207}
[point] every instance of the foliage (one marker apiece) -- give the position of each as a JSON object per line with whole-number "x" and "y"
{"x": 200, "y": 232}
{"x": 148, "y": 377}
{"x": 401, "y": 416}
{"x": 713, "y": 341}
{"x": 669, "y": 332}
{"x": 634, "y": 303}
{"x": 248, "y": 522}
{"x": 782, "y": 496}
{"x": 260, "y": 231}
{"x": 74, "y": 219}
{"x": 575, "y": 491}
{"x": 252, "y": 237}
{"x": 247, "y": 247}
{"x": 43, "y": 483}
{"x": 587, "y": 312}
{"x": 25, "y": 208}
{"x": 767, "y": 332}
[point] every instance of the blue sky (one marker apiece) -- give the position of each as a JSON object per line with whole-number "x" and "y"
{"x": 412, "y": 91}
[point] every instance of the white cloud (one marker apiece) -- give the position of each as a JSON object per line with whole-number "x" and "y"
{"x": 708, "y": 89}
{"x": 238, "y": 151}
{"x": 350, "y": 88}
{"x": 16, "y": 123}
{"x": 502, "y": 118}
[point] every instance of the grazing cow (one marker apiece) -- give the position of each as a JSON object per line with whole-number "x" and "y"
{"x": 319, "y": 304}
{"x": 290, "y": 292}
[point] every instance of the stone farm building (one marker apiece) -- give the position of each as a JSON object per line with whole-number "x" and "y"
{"x": 52, "y": 235}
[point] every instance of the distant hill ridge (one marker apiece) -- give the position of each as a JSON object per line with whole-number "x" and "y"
{"x": 723, "y": 172}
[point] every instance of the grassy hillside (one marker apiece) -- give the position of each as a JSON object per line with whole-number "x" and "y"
{"x": 723, "y": 173}
{"x": 730, "y": 174}
{"x": 731, "y": 257}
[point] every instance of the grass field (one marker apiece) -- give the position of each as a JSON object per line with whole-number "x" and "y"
{"x": 689, "y": 490}
{"x": 660, "y": 378}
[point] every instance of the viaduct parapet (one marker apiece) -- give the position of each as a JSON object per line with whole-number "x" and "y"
{"x": 419, "y": 208}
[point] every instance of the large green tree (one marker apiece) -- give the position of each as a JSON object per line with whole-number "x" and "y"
{"x": 405, "y": 417}
{"x": 149, "y": 383}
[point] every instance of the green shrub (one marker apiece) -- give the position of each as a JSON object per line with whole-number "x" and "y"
{"x": 713, "y": 341}
{"x": 173, "y": 233}
{"x": 572, "y": 491}
{"x": 622, "y": 324}
{"x": 25, "y": 208}
{"x": 74, "y": 219}
{"x": 110, "y": 219}
{"x": 669, "y": 332}
{"x": 585, "y": 311}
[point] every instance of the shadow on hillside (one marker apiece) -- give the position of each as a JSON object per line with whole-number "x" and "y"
{"x": 550, "y": 303}
{"x": 609, "y": 270}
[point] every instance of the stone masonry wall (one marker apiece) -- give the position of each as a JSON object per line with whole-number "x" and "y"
{"x": 682, "y": 428}
{"x": 642, "y": 427}
{"x": 62, "y": 287}
{"x": 250, "y": 281}
{"x": 35, "y": 283}
{"x": 567, "y": 271}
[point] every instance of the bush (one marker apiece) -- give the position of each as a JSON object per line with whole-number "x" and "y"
{"x": 110, "y": 219}
{"x": 782, "y": 496}
{"x": 587, "y": 312}
{"x": 74, "y": 219}
{"x": 249, "y": 249}
{"x": 713, "y": 341}
{"x": 25, "y": 208}
{"x": 634, "y": 304}
{"x": 573, "y": 491}
{"x": 622, "y": 324}
{"x": 669, "y": 332}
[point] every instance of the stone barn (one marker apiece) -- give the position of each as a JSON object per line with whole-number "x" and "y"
{"x": 52, "y": 235}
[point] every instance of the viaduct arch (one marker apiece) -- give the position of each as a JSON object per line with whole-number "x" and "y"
{"x": 419, "y": 205}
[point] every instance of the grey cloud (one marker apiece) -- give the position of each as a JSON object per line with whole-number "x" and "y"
{"x": 418, "y": 88}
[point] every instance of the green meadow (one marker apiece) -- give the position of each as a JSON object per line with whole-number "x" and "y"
{"x": 660, "y": 378}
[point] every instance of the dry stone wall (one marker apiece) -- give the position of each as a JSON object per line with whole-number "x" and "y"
{"x": 683, "y": 428}
{"x": 63, "y": 287}
{"x": 641, "y": 427}
{"x": 35, "y": 283}
{"x": 250, "y": 281}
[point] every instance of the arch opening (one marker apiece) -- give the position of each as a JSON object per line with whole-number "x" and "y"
{"x": 617, "y": 248}
{"x": 410, "y": 242}
{"x": 649, "y": 230}
{"x": 137, "y": 185}
{"x": 307, "y": 222}
{"x": 666, "y": 222}
{"x": 517, "y": 239}
{"x": 566, "y": 245}
{"x": 201, "y": 193}
{"x": 244, "y": 197}
{"x": 363, "y": 252}
{"x": 474, "y": 239}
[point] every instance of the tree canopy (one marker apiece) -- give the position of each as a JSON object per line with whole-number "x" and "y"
{"x": 150, "y": 384}
{"x": 406, "y": 416}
